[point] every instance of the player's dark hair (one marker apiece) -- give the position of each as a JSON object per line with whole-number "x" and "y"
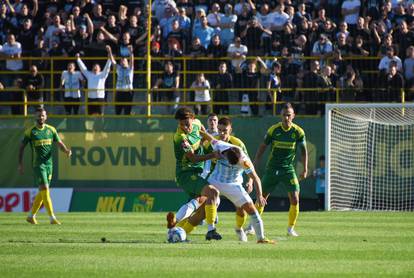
{"x": 184, "y": 113}
{"x": 233, "y": 155}
{"x": 212, "y": 115}
{"x": 224, "y": 121}
{"x": 40, "y": 110}
{"x": 288, "y": 105}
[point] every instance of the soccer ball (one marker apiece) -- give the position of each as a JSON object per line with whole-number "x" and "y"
{"x": 176, "y": 234}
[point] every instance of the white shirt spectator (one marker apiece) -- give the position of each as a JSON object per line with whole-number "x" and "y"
{"x": 350, "y": 5}
{"x": 124, "y": 77}
{"x": 96, "y": 82}
{"x": 408, "y": 68}
{"x": 238, "y": 8}
{"x": 242, "y": 50}
{"x": 13, "y": 49}
{"x": 72, "y": 83}
{"x": 385, "y": 63}
{"x": 51, "y": 34}
{"x": 279, "y": 20}
{"x": 214, "y": 19}
{"x": 159, "y": 6}
{"x": 201, "y": 91}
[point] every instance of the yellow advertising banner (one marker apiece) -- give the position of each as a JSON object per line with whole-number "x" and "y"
{"x": 117, "y": 156}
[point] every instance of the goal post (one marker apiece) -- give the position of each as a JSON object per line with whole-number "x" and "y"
{"x": 369, "y": 150}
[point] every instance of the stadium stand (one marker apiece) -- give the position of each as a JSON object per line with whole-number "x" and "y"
{"x": 326, "y": 51}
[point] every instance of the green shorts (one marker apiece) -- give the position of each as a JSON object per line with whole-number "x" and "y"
{"x": 42, "y": 174}
{"x": 272, "y": 178}
{"x": 191, "y": 183}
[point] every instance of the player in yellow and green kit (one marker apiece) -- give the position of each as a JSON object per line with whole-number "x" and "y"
{"x": 284, "y": 138}
{"x": 190, "y": 159}
{"x": 41, "y": 137}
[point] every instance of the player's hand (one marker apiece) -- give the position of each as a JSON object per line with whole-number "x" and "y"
{"x": 68, "y": 152}
{"x": 249, "y": 186}
{"x": 20, "y": 169}
{"x": 77, "y": 55}
{"x": 304, "y": 175}
{"x": 261, "y": 200}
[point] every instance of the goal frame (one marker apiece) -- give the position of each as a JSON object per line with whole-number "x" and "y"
{"x": 328, "y": 108}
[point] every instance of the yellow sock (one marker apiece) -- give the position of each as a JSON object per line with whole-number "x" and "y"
{"x": 188, "y": 228}
{"x": 37, "y": 203}
{"x": 260, "y": 209}
{"x": 211, "y": 213}
{"x": 293, "y": 215}
{"x": 240, "y": 220}
{"x": 47, "y": 201}
{"x": 182, "y": 223}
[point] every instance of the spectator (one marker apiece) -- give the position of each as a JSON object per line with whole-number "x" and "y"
{"x": 214, "y": 17}
{"x": 280, "y": 18}
{"x": 178, "y": 35}
{"x": 301, "y": 15}
{"x": 319, "y": 175}
{"x": 12, "y": 50}
{"x": 26, "y": 37}
{"x": 169, "y": 82}
{"x": 242, "y": 5}
{"x": 242, "y": 20}
{"x": 274, "y": 87}
{"x": 184, "y": 21}
{"x": 265, "y": 18}
{"x": 251, "y": 80}
{"x": 386, "y": 60}
{"x": 237, "y": 52}
{"x": 409, "y": 65}
{"x": 166, "y": 22}
{"x": 404, "y": 37}
{"x": 160, "y": 8}
{"x": 216, "y": 50}
{"x": 196, "y": 50}
{"x": 124, "y": 82}
{"x": 124, "y": 48}
{"x": 227, "y": 23}
{"x": 351, "y": 85}
{"x": 34, "y": 83}
{"x": 362, "y": 30}
{"x": 328, "y": 83}
{"x": 223, "y": 81}
{"x": 53, "y": 31}
{"x": 312, "y": 80}
{"x": 394, "y": 84}
{"x": 201, "y": 88}
{"x": 96, "y": 84}
{"x": 72, "y": 81}
{"x": 204, "y": 32}
{"x": 322, "y": 48}
{"x": 252, "y": 36}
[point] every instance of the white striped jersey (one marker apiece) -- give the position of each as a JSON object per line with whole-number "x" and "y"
{"x": 224, "y": 172}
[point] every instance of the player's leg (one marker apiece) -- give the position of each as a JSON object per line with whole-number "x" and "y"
{"x": 37, "y": 203}
{"x": 211, "y": 211}
{"x": 45, "y": 192}
{"x": 293, "y": 190}
{"x": 269, "y": 182}
{"x": 241, "y": 217}
{"x": 189, "y": 224}
{"x": 256, "y": 221}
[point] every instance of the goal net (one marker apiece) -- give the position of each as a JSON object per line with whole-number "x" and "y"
{"x": 370, "y": 157}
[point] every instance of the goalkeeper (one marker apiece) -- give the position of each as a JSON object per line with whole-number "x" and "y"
{"x": 284, "y": 138}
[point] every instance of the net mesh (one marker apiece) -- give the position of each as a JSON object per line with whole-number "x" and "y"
{"x": 371, "y": 158}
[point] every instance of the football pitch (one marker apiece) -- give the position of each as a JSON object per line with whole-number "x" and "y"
{"x": 331, "y": 244}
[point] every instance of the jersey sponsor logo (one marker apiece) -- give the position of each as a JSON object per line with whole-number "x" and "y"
{"x": 284, "y": 145}
{"x": 42, "y": 142}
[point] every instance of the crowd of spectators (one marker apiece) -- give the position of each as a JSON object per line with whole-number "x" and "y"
{"x": 364, "y": 48}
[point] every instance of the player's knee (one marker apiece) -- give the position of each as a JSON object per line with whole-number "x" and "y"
{"x": 240, "y": 212}
{"x": 212, "y": 192}
{"x": 249, "y": 208}
{"x": 43, "y": 187}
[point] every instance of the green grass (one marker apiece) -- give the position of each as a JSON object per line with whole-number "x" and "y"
{"x": 331, "y": 243}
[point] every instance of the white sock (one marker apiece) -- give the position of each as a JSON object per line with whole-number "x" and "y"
{"x": 186, "y": 210}
{"x": 52, "y": 217}
{"x": 257, "y": 223}
{"x": 211, "y": 227}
